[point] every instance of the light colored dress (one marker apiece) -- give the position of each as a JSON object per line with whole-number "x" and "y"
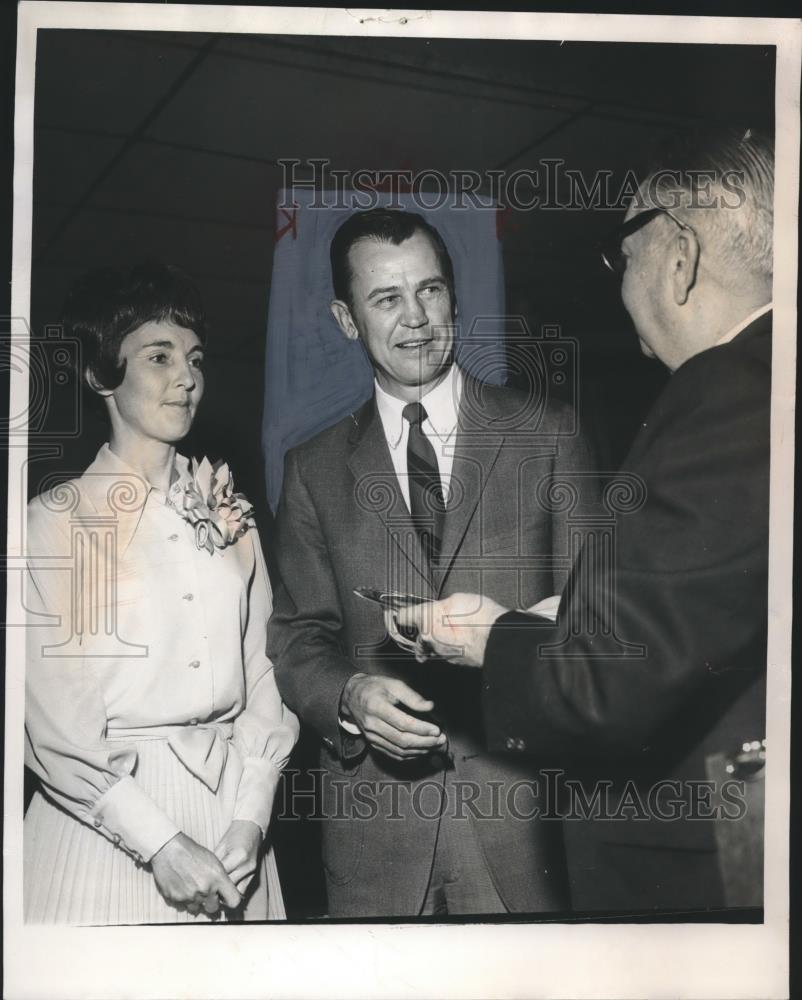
{"x": 151, "y": 705}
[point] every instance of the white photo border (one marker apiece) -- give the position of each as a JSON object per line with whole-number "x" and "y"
{"x": 472, "y": 960}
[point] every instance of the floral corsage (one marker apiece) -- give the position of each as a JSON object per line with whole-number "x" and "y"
{"x": 218, "y": 514}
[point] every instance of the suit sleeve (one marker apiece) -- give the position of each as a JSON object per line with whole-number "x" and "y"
{"x": 304, "y": 633}
{"x": 575, "y": 455}
{"x": 689, "y": 595}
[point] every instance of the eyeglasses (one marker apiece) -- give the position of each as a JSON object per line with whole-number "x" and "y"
{"x": 610, "y": 247}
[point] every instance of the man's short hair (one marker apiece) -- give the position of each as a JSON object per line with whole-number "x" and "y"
{"x": 105, "y": 305}
{"x": 384, "y": 225}
{"x": 732, "y": 212}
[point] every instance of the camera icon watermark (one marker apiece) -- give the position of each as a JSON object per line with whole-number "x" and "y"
{"x": 543, "y": 366}
{"x": 51, "y": 366}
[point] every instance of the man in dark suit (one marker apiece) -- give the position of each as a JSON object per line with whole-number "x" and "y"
{"x": 681, "y": 707}
{"x": 430, "y": 488}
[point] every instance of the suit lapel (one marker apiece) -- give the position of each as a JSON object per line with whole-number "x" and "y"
{"x": 377, "y": 491}
{"x": 477, "y": 447}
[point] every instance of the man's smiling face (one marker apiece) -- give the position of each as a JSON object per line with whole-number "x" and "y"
{"x": 401, "y": 309}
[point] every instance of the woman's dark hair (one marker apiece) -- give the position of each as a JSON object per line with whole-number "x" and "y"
{"x": 386, "y": 226}
{"x": 104, "y": 306}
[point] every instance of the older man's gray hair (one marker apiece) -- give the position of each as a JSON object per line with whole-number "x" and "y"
{"x": 720, "y": 182}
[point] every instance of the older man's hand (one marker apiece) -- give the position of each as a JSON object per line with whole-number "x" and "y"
{"x": 456, "y": 628}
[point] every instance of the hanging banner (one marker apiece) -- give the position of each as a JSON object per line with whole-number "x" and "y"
{"x": 314, "y": 376}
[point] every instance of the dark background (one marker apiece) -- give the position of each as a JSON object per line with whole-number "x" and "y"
{"x": 167, "y": 145}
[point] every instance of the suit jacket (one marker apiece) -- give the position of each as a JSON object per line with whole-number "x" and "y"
{"x": 690, "y": 586}
{"x": 342, "y": 523}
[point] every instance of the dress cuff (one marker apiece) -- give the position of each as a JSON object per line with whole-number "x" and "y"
{"x": 349, "y": 727}
{"x": 132, "y": 820}
{"x": 549, "y": 607}
{"x": 347, "y": 740}
{"x": 256, "y": 792}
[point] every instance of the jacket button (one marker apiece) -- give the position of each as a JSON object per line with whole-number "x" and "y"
{"x": 510, "y": 744}
{"x": 194, "y": 664}
{"x": 172, "y": 538}
{"x": 520, "y": 745}
{"x": 188, "y": 597}
{"x": 193, "y": 722}
{"x": 98, "y": 823}
{"x": 116, "y": 838}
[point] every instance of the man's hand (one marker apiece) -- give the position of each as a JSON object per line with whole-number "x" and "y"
{"x": 456, "y": 629}
{"x": 188, "y": 875}
{"x": 238, "y": 851}
{"x": 372, "y": 702}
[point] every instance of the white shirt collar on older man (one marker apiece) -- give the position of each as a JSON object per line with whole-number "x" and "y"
{"x": 733, "y": 333}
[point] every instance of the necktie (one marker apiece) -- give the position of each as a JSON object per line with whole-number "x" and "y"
{"x": 426, "y": 500}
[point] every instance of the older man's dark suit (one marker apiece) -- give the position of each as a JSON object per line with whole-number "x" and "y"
{"x": 691, "y": 586}
{"x": 342, "y": 524}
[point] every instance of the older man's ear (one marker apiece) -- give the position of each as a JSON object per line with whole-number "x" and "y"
{"x": 342, "y": 315}
{"x": 684, "y": 263}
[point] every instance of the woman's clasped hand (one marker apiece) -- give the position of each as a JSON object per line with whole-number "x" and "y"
{"x": 190, "y": 876}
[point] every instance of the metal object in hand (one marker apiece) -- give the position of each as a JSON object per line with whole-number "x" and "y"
{"x": 390, "y": 601}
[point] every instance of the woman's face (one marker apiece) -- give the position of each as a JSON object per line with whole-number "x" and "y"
{"x": 163, "y": 383}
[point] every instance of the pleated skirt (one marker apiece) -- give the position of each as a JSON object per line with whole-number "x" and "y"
{"x": 74, "y": 875}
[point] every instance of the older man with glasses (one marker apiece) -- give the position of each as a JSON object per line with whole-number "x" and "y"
{"x": 669, "y": 726}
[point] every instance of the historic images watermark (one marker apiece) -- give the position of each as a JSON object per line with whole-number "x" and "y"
{"x": 546, "y": 364}
{"x": 52, "y": 364}
{"x": 320, "y": 794}
{"x": 549, "y": 185}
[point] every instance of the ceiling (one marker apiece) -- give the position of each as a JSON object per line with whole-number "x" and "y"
{"x": 168, "y": 144}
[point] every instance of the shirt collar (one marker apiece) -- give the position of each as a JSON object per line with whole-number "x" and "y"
{"x": 118, "y": 491}
{"x": 107, "y": 462}
{"x": 733, "y": 333}
{"x": 442, "y": 408}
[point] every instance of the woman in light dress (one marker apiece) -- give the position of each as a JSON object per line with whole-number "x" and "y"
{"x": 153, "y": 721}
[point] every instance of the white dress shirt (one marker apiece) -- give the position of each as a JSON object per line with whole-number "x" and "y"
{"x": 440, "y": 427}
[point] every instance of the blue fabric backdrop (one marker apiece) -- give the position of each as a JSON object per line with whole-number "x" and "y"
{"x": 313, "y": 375}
